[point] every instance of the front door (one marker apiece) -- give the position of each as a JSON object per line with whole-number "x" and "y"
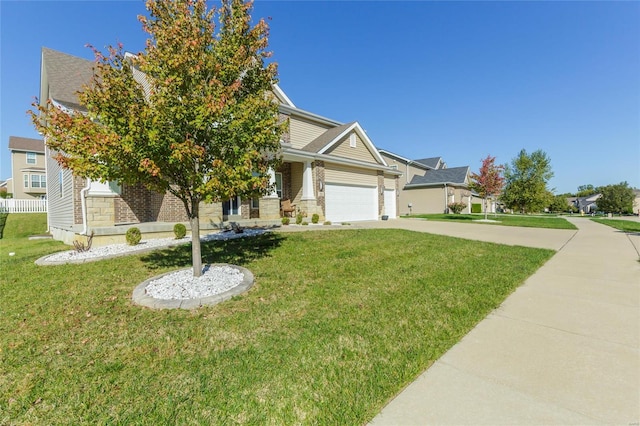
{"x": 231, "y": 209}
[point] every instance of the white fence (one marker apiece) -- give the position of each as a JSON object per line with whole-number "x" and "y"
{"x": 11, "y": 205}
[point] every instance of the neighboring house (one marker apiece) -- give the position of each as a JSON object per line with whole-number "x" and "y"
{"x": 636, "y": 201}
{"x": 428, "y": 185}
{"x": 8, "y": 186}
{"x": 585, "y": 205}
{"x": 29, "y": 180}
{"x": 329, "y": 168}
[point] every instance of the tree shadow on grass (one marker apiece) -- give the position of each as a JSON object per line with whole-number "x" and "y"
{"x": 237, "y": 251}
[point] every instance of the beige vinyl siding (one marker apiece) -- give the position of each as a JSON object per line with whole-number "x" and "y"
{"x": 302, "y": 132}
{"x": 424, "y": 200}
{"x": 408, "y": 172}
{"x": 360, "y": 152}
{"x": 297, "y": 170}
{"x": 20, "y": 168}
{"x": 61, "y": 211}
{"x": 335, "y": 173}
{"x": 390, "y": 182}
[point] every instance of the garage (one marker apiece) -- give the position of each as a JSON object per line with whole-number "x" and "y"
{"x": 390, "y": 203}
{"x": 347, "y": 203}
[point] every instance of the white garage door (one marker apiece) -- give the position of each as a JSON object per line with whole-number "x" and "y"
{"x": 345, "y": 203}
{"x": 390, "y": 203}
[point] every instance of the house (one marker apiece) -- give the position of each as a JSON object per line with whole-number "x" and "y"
{"x": 585, "y": 205}
{"x": 329, "y": 168}
{"x": 427, "y": 185}
{"x": 28, "y": 177}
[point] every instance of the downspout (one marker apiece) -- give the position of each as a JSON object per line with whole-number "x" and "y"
{"x": 446, "y": 198}
{"x": 83, "y": 203}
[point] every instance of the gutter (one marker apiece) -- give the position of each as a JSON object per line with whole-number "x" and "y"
{"x": 83, "y": 204}
{"x": 293, "y": 153}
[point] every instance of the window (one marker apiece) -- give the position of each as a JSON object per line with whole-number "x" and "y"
{"x": 255, "y": 203}
{"x": 38, "y": 181}
{"x": 25, "y": 178}
{"x": 279, "y": 184}
{"x": 394, "y": 167}
{"x": 352, "y": 140}
{"x": 60, "y": 183}
{"x": 31, "y": 158}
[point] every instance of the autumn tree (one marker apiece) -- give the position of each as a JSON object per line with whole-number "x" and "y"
{"x": 489, "y": 181}
{"x": 193, "y": 114}
{"x": 526, "y": 180}
{"x": 616, "y": 198}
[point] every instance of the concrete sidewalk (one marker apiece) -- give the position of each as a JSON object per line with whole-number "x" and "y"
{"x": 564, "y": 348}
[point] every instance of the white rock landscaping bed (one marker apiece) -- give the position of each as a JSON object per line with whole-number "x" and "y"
{"x": 181, "y": 285}
{"x": 177, "y": 289}
{"x": 115, "y": 250}
{"x": 180, "y": 289}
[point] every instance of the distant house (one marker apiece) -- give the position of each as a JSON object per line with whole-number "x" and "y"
{"x": 427, "y": 185}
{"x": 585, "y": 205}
{"x": 28, "y": 174}
{"x": 329, "y": 168}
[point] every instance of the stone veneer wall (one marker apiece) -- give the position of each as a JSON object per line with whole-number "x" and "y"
{"x": 78, "y": 184}
{"x": 320, "y": 194}
{"x": 286, "y": 138}
{"x": 100, "y": 211}
{"x": 245, "y": 208}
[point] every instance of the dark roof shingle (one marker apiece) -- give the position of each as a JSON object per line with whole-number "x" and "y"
{"x": 321, "y": 141}
{"x": 66, "y": 75}
{"x": 455, "y": 175}
{"x": 17, "y": 143}
{"x": 432, "y": 162}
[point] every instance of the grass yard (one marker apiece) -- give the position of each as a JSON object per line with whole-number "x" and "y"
{"x": 552, "y": 222}
{"x": 336, "y": 325}
{"x": 621, "y": 224}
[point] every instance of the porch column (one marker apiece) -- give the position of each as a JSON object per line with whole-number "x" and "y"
{"x": 272, "y": 184}
{"x": 307, "y": 182}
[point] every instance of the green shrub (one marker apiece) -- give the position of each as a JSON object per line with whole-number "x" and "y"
{"x": 315, "y": 218}
{"x": 327, "y": 222}
{"x": 305, "y": 223}
{"x": 476, "y": 208}
{"x": 179, "y": 230}
{"x": 299, "y": 218}
{"x": 286, "y": 220}
{"x": 3, "y": 220}
{"x": 133, "y": 236}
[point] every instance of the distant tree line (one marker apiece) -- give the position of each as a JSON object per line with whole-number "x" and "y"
{"x": 522, "y": 186}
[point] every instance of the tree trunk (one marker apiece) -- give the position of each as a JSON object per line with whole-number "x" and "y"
{"x": 196, "y": 252}
{"x": 486, "y": 208}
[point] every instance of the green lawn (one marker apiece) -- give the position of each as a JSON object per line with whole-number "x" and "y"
{"x": 621, "y": 224}
{"x": 336, "y": 325}
{"x": 553, "y": 222}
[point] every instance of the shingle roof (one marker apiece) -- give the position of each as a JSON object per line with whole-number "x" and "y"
{"x": 66, "y": 75}
{"x": 321, "y": 141}
{"x": 455, "y": 175}
{"x": 17, "y": 143}
{"x": 432, "y": 162}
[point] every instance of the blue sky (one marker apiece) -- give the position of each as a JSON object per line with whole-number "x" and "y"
{"x": 460, "y": 80}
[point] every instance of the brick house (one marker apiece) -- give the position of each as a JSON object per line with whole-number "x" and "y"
{"x": 329, "y": 168}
